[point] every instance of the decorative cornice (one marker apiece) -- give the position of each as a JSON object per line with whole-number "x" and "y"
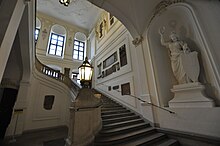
{"x": 162, "y": 6}
{"x": 137, "y": 41}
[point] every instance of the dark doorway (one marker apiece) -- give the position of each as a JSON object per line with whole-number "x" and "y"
{"x": 7, "y": 102}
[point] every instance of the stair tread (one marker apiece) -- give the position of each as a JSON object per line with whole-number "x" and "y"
{"x": 110, "y": 106}
{"x": 115, "y": 111}
{"x": 117, "y": 114}
{"x": 118, "y": 118}
{"x": 123, "y": 122}
{"x": 145, "y": 139}
{"x": 166, "y": 142}
{"x": 114, "y": 108}
{"x": 123, "y": 136}
{"x": 123, "y": 128}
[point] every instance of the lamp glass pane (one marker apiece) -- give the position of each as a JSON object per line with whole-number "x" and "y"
{"x": 87, "y": 73}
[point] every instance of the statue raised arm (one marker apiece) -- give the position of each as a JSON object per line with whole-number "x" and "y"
{"x": 176, "y": 48}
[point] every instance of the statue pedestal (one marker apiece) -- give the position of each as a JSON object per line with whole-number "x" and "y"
{"x": 190, "y": 95}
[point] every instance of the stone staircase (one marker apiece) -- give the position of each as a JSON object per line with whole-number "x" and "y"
{"x": 121, "y": 127}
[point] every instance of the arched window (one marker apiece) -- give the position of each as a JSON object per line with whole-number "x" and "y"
{"x": 57, "y": 40}
{"x": 79, "y": 46}
{"x": 37, "y": 29}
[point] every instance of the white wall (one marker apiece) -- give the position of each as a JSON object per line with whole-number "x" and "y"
{"x": 116, "y": 36}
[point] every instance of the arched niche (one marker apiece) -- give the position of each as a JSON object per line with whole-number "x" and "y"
{"x": 181, "y": 19}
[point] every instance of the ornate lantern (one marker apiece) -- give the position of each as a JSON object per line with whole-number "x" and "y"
{"x": 85, "y": 73}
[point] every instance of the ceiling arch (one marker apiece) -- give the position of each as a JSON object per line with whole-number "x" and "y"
{"x": 134, "y": 14}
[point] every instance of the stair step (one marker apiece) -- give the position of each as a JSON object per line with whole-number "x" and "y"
{"x": 146, "y": 140}
{"x": 121, "y": 124}
{"x": 116, "y": 115}
{"x": 166, "y": 142}
{"x": 120, "y": 119}
{"x": 124, "y": 129}
{"x": 115, "y": 112}
{"x": 112, "y": 109}
{"x": 117, "y": 139}
{"x": 111, "y": 106}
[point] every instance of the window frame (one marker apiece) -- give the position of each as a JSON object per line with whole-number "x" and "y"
{"x": 78, "y": 50}
{"x": 56, "y": 44}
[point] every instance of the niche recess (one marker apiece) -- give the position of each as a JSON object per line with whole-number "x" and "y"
{"x": 48, "y": 102}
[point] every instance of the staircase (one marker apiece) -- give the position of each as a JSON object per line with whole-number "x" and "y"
{"x": 121, "y": 127}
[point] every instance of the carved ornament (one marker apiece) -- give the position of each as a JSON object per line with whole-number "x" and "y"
{"x": 162, "y": 6}
{"x": 137, "y": 41}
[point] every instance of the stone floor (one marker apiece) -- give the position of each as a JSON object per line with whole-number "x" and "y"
{"x": 49, "y": 137}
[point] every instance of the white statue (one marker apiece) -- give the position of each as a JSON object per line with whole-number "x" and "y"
{"x": 184, "y": 63}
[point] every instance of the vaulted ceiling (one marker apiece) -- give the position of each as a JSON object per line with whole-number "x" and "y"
{"x": 80, "y": 13}
{"x": 134, "y": 14}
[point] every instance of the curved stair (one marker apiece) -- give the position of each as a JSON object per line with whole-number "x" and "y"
{"x": 121, "y": 127}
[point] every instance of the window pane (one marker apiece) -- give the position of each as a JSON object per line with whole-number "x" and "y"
{"x": 81, "y": 48}
{"x": 37, "y": 30}
{"x": 76, "y": 48}
{"x": 54, "y": 36}
{"x": 52, "y": 52}
{"x": 60, "y": 38}
{"x": 75, "y": 53}
{"x": 75, "y": 56}
{"x": 59, "y": 48}
{"x": 53, "y": 41}
{"x": 59, "y": 53}
{"x": 80, "y": 57}
{"x": 36, "y": 36}
{"x": 52, "y": 47}
{"x": 81, "y": 44}
{"x": 56, "y": 44}
{"x": 60, "y": 43}
{"x": 80, "y": 53}
{"x": 76, "y": 43}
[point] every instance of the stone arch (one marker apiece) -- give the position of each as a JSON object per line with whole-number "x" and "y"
{"x": 106, "y": 5}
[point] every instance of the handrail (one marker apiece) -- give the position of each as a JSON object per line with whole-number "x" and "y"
{"x": 56, "y": 74}
{"x": 171, "y": 112}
